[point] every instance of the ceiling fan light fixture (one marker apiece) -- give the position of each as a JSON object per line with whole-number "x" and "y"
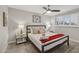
{"x": 48, "y": 11}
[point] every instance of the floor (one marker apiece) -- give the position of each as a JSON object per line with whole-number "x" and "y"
{"x": 30, "y": 48}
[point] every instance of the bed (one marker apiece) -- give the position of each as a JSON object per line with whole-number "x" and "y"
{"x": 46, "y": 40}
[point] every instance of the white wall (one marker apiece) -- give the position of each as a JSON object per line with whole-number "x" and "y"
{"x": 18, "y": 16}
{"x": 52, "y": 22}
{"x": 71, "y": 31}
{"x": 3, "y": 30}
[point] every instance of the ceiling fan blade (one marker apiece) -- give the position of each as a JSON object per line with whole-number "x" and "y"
{"x": 55, "y": 10}
{"x": 45, "y": 8}
{"x": 44, "y": 13}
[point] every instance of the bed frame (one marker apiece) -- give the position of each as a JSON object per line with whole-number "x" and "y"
{"x": 66, "y": 41}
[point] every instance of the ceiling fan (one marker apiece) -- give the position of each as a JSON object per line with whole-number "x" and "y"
{"x": 48, "y": 10}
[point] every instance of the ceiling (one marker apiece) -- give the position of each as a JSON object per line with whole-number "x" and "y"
{"x": 39, "y": 9}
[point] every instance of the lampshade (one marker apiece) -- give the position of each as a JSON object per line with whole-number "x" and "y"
{"x": 21, "y": 26}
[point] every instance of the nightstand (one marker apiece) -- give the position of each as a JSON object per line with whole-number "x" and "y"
{"x": 20, "y": 38}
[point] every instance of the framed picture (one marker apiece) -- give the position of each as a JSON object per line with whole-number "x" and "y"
{"x": 36, "y": 19}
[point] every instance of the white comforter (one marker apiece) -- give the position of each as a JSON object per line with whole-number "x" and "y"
{"x": 35, "y": 38}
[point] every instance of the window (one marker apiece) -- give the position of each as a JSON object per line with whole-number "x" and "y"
{"x": 71, "y": 19}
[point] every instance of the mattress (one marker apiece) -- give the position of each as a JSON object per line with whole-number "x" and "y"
{"x": 35, "y": 38}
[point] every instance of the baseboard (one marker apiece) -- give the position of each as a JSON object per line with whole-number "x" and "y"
{"x": 75, "y": 41}
{"x": 11, "y": 42}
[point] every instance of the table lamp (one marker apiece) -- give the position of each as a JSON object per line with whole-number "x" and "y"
{"x": 21, "y": 27}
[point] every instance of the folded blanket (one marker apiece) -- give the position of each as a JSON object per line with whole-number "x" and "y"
{"x": 52, "y": 38}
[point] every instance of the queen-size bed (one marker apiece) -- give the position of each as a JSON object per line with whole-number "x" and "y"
{"x": 45, "y": 40}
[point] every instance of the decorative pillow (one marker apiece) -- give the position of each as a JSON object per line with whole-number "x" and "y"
{"x": 42, "y": 30}
{"x": 38, "y": 30}
{"x": 35, "y": 30}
